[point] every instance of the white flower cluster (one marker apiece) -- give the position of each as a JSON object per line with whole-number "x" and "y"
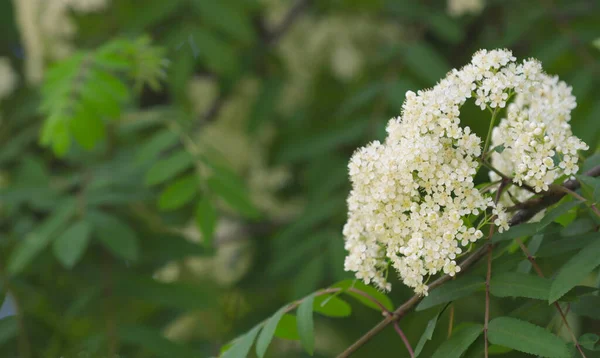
{"x": 539, "y": 146}
{"x": 461, "y": 7}
{"x": 412, "y": 194}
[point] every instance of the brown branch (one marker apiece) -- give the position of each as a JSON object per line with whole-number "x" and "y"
{"x": 526, "y": 212}
{"x": 404, "y": 339}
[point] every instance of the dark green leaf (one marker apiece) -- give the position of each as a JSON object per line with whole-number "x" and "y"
{"x": 575, "y": 270}
{"x": 459, "y": 342}
{"x": 233, "y": 194}
{"x": 557, "y": 212}
{"x": 266, "y": 335}
{"x": 178, "y": 193}
{"x": 453, "y": 290}
{"x": 115, "y": 234}
{"x": 425, "y": 61}
{"x": 8, "y": 329}
{"x": 153, "y": 341}
{"x": 588, "y": 306}
{"x": 428, "y": 333}
{"x": 518, "y": 231}
{"x": 159, "y": 142}
{"x": 588, "y": 341}
{"x": 516, "y": 284}
{"x": 167, "y": 168}
{"x": 526, "y": 337}
{"x": 71, "y": 244}
{"x": 36, "y": 241}
{"x": 306, "y": 327}
{"x": 206, "y": 219}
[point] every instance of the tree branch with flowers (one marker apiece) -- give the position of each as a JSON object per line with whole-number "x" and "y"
{"x": 414, "y": 207}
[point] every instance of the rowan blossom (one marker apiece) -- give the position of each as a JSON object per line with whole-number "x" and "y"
{"x": 413, "y": 202}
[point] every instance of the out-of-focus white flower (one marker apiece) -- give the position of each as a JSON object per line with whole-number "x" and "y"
{"x": 412, "y": 194}
{"x": 47, "y": 30}
{"x": 8, "y": 78}
{"x": 461, "y": 7}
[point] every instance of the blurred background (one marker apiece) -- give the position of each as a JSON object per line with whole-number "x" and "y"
{"x": 205, "y": 205}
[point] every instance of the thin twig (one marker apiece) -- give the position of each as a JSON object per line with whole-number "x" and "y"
{"x": 538, "y": 270}
{"x": 578, "y": 197}
{"x": 404, "y": 339}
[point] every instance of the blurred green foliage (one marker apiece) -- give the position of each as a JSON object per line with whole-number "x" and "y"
{"x": 183, "y": 174}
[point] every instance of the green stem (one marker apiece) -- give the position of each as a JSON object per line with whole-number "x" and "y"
{"x": 489, "y": 134}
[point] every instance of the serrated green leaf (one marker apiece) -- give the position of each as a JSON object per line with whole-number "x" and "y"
{"x": 178, "y": 193}
{"x": 517, "y": 284}
{"x": 115, "y": 234}
{"x": 526, "y": 337}
{"x": 266, "y": 335}
{"x": 568, "y": 244}
{"x": 169, "y": 167}
{"x": 206, "y": 219}
{"x": 331, "y": 306}
{"x": 70, "y": 246}
{"x": 575, "y": 270}
{"x": 241, "y": 346}
{"x": 8, "y": 329}
{"x": 453, "y": 290}
{"x": 346, "y": 285}
{"x": 306, "y": 327}
{"x": 459, "y": 342}
{"x": 36, "y": 241}
{"x": 153, "y": 341}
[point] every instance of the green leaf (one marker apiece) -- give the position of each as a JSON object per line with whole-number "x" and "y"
{"x": 557, "y": 212}
{"x": 206, "y": 219}
{"x": 453, "y": 290}
{"x": 514, "y": 232}
{"x": 153, "y": 341}
{"x": 459, "y": 342}
{"x": 517, "y": 284}
{"x": 115, "y": 234}
{"x": 8, "y": 329}
{"x": 526, "y": 337}
{"x": 266, "y": 335}
{"x": 234, "y": 194}
{"x": 70, "y": 246}
{"x": 241, "y": 346}
{"x": 227, "y": 16}
{"x": 568, "y": 244}
{"x": 588, "y": 306}
{"x": 167, "y": 168}
{"x": 428, "y": 333}
{"x": 588, "y": 341}
{"x": 159, "y": 142}
{"x": 306, "y": 327}
{"x": 346, "y": 285}
{"x": 590, "y": 187}
{"x": 180, "y": 295}
{"x": 178, "y": 193}
{"x": 36, "y": 241}
{"x": 575, "y": 270}
{"x": 287, "y": 328}
{"x": 331, "y": 306}
{"x": 425, "y": 61}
